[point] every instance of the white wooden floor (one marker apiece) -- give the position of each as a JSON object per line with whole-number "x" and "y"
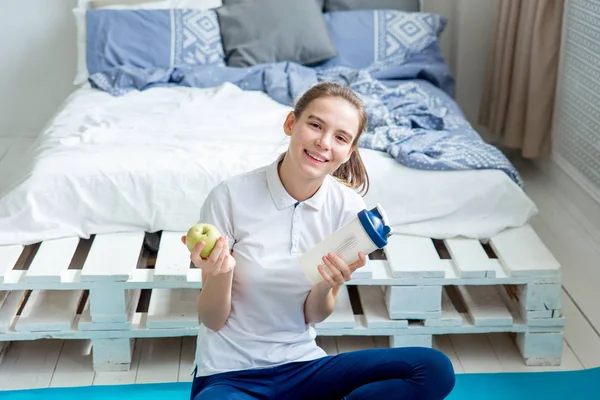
{"x": 58, "y": 363}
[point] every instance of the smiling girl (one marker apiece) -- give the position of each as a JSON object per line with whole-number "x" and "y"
{"x": 257, "y": 307}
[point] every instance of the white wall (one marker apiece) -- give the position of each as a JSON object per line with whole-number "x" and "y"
{"x": 576, "y": 139}
{"x": 465, "y": 44}
{"x": 37, "y": 42}
{"x": 448, "y": 41}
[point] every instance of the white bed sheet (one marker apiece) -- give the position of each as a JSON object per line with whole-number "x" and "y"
{"x": 147, "y": 160}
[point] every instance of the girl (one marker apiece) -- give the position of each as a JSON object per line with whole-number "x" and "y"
{"x": 257, "y": 307}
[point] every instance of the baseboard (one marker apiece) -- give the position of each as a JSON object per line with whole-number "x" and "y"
{"x": 577, "y": 194}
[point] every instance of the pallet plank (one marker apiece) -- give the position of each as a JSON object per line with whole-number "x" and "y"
{"x": 372, "y": 299}
{"x": 3, "y": 296}
{"x": 140, "y": 330}
{"x": 113, "y": 320}
{"x": 173, "y": 308}
{"x": 8, "y": 257}
{"x": 413, "y": 257}
{"x": 172, "y": 259}
{"x": 112, "y": 257}
{"x": 450, "y": 316}
{"x": 49, "y": 310}
{"x": 414, "y": 302}
{"x": 485, "y": 306}
{"x": 342, "y": 315}
{"x": 522, "y": 253}
{"x": 541, "y": 349}
{"x": 531, "y": 318}
{"x": 144, "y": 278}
{"x": 411, "y": 341}
{"x": 9, "y": 308}
{"x": 112, "y": 354}
{"x": 470, "y": 258}
{"x": 540, "y": 297}
{"x": 108, "y": 305}
{"x": 365, "y": 272}
{"x": 52, "y": 260}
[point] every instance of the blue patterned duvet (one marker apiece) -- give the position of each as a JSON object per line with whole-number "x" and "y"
{"x": 417, "y": 128}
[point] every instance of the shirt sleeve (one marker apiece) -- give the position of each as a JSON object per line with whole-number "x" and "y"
{"x": 217, "y": 210}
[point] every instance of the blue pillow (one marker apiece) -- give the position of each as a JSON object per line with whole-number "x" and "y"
{"x": 152, "y": 39}
{"x": 377, "y": 38}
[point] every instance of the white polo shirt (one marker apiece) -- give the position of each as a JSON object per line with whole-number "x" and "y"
{"x": 268, "y": 229}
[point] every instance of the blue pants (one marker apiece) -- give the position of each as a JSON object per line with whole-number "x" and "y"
{"x": 382, "y": 373}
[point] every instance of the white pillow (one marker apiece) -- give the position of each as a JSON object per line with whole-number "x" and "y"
{"x": 82, "y": 74}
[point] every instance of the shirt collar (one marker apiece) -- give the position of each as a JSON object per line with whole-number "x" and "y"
{"x": 282, "y": 198}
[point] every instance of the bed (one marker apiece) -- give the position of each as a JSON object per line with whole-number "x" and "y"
{"x": 146, "y": 161}
{"x": 175, "y": 96}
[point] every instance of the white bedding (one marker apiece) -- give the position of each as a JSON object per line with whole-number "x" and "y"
{"x": 147, "y": 160}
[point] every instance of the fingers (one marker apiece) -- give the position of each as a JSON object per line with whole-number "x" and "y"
{"x": 362, "y": 258}
{"x": 220, "y": 264}
{"x": 341, "y": 266}
{"x": 217, "y": 250}
{"x": 326, "y": 276}
{"x": 195, "y": 254}
{"x": 217, "y": 262}
{"x": 227, "y": 257}
{"x": 361, "y": 262}
{"x": 340, "y": 273}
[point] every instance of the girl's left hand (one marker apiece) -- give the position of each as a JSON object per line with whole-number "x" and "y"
{"x": 339, "y": 272}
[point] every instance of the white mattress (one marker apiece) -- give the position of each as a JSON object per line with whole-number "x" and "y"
{"x": 146, "y": 161}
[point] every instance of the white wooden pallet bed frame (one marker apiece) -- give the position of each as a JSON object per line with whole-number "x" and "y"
{"x": 93, "y": 288}
{"x": 111, "y": 289}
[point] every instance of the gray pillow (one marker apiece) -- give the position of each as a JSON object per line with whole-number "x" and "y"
{"x": 402, "y": 5}
{"x": 321, "y": 3}
{"x": 265, "y": 31}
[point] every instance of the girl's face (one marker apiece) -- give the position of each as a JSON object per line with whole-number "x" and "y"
{"x": 321, "y": 139}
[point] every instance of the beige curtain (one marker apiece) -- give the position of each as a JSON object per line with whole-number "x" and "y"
{"x": 521, "y": 74}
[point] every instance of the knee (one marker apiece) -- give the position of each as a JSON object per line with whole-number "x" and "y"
{"x": 438, "y": 373}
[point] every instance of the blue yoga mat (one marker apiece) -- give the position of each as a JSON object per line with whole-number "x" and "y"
{"x": 571, "y": 385}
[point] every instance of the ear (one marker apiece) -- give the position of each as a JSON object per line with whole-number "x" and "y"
{"x": 289, "y": 122}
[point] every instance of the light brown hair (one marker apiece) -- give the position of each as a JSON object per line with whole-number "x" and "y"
{"x": 353, "y": 172}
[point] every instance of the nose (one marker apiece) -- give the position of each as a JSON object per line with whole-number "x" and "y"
{"x": 324, "y": 141}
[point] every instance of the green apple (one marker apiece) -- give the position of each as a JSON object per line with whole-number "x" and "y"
{"x": 206, "y": 233}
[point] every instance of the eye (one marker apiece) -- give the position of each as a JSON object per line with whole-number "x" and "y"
{"x": 342, "y": 138}
{"x": 314, "y": 125}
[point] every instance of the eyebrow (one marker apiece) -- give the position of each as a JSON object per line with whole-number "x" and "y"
{"x": 311, "y": 116}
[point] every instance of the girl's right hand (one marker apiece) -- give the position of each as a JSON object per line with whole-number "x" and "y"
{"x": 220, "y": 261}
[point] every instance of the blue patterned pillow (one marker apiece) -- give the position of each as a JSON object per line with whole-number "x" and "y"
{"x": 197, "y": 38}
{"x": 378, "y": 38}
{"x": 152, "y": 39}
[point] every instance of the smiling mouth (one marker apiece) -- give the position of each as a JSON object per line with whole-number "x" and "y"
{"x": 315, "y": 157}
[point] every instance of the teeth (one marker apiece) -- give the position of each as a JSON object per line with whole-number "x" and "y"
{"x": 315, "y": 157}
